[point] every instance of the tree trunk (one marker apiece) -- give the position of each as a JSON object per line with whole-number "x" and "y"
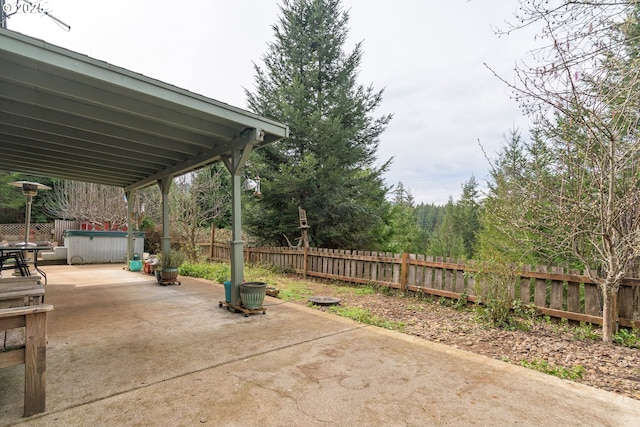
{"x": 609, "y": 311}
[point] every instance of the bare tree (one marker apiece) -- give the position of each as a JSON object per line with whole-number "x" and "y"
{"x": 196, "y": 201}
{"x": 86, "y": 202}
{"x": 581, "y": 90}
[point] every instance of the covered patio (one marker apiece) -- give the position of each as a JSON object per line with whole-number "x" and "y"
{"x": 66, "y": 115}
{"x": 124, "y": 351}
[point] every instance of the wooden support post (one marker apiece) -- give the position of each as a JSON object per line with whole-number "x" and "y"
{"x": 305, "y": 262}
{"x": 404, "y": 271}
{"x": 213, "y": 241}
{"x": 35, "y": 363}
{"x": 33, "y": 355}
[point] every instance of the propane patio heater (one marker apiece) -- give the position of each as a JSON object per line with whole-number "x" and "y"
{"x": 29, "y": 189}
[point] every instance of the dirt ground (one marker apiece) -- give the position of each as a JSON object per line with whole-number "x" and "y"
{"x": 553, "y": 345}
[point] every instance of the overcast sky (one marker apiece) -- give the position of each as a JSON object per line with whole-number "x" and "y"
{"x": 428, "y": 55}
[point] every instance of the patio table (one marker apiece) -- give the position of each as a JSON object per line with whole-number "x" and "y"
{"x": 16, "y": 252}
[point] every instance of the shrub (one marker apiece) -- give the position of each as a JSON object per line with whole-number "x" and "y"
{"x": 174, "y": 259}
{"x": 495, "y": 285}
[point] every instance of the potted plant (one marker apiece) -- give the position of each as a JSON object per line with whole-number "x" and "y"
{"x": 169, "y": 264}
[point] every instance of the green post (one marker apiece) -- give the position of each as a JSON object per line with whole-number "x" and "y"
{"x": 165, "y": 185}
{"x": 130, "y": 195}
{"x": 237, "y": 255}
{"x": 235, "y": 164}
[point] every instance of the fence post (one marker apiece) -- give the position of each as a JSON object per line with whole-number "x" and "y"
{"x": 305, "y": 261}
{"x": 404, "y": 271}
{"x": 213, "y": 241}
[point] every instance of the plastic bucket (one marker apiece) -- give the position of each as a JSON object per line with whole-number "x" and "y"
{"x": 252, "y": 294}
{"x": 135, "y": 265}
{"x": 227, "y": 291}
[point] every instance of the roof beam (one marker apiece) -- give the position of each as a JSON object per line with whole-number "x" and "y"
{"x": 249, "y": 137}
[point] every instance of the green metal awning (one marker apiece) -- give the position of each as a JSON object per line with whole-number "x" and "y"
{"x": 66, "y": 115}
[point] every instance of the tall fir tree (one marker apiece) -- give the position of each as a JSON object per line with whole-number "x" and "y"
{"x": 447, "y": 240}
{"x": 401, "y": 232}
{"x": 503, "y": 204}
{"x": 467, "y": 215}
{"x": 328, "y": 165}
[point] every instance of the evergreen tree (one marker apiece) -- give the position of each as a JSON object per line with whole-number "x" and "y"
{"x": 447, "y": 240}
{"x": 503, "y": 204}
{"x": 402, "y": 233}
{"x": 328, "y": 165}
{"x": 429, "y": 216}
{"x": 13, "y": 202}
{"x": 467, "y": 215}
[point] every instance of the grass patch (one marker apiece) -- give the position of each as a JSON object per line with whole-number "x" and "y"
{"x": 363, "y": 290}
{"x": 543, "y": 366}
{"x": 364, "y": 316}
{"x": 218, "y": 271}
{"x": 294, "y": 292}
{"x": 221, "y": 272}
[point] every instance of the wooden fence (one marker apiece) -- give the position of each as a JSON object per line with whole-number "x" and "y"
{"x": 553, "y": 290}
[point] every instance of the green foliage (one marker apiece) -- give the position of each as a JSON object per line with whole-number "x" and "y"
{"x": 13, "y": 202}
{"x": 429, "y": 216}
{"x": 174, "y": 259}
{"x": 467, "y": 216}
{"x": 298, "y": 292}
{"x": 627, "y": 338}
{"x": 462, "y": 302}
{"x": 574, "y": 373}
{"x": 503, "y": 203}
{"x": 262, "y": 273}
{"x": 586, "y": 331}
{"x": 328, "y": 164}
{"x": 221, "y": 272}
{"x": 447, "y": 240}
{"x": 401, "y": 232}
{"x": 364, "y": 290}
{"x": 363, "y": 315}
{"x": 495, "y": 282}
{"x": 218, "y": 272}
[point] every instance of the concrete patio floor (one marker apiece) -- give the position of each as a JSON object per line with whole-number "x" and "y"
{"x": 125, "y": 351}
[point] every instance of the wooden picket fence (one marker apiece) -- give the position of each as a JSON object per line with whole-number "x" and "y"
{"x": 552, "y": 290}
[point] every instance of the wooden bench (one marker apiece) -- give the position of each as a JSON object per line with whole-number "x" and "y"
{"x": 21, "y": 297}
{"x": 19, "y": 281}
{"x": 23, "y": 329}
{"x": 21, "y": 291}
{"x": 33, "y": 353}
